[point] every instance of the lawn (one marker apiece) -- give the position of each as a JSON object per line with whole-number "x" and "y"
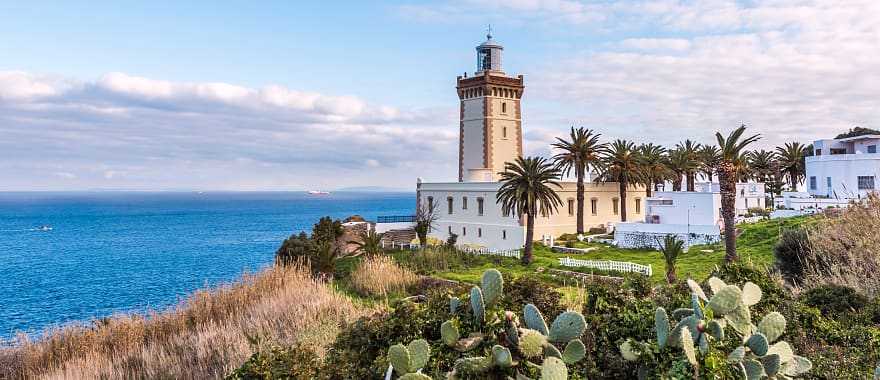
{"x": 754, "y": 245}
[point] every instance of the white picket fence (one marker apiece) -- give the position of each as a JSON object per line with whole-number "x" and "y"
{"x": 393, "y": 245}
{"x": 494, "y": 252}
{"x": 561, "y": 249}
{"x": 618, "y": 266}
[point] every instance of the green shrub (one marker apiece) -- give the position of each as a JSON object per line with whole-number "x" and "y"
{"x": 296, "y": 362}
{"x": 790, "y": 252}
{"x": 530, "y": 290}
{"x": 834, "y": 300}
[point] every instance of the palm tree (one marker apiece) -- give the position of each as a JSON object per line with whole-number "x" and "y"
{"x": 369, "y": 242}
{"x": 525, "y": 190}
{"x": 651, "y": 161}
{"x": 677, "y": 162}
{"x": 791, "y": 159}
{"x": 621, "y": 165}
{"x": 578, "y": 153}
{"x": 671, "y": 247}
{"x": 732, "y": 148}
{"x": 710, "y": 157}
{"x": 692, "y": 162}
{"x": 761, "y": 164}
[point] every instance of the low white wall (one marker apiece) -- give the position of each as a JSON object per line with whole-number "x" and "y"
{"x": 645, "y": 235}
{"x": 385, "y": 227}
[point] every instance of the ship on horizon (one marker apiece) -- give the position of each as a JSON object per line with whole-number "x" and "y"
{"x": 318, "y": 192}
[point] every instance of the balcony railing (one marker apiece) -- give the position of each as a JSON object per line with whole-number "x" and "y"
{"x": 396, "y": 219}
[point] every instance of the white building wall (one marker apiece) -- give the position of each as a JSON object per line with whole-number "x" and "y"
{"x": 700, "y": 208}
{"x": 843, "y": 171}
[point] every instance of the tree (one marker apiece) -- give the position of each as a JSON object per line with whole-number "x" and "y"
{"x": 710, "y": 157}
{"x": 651, "y": 161}
{"x": 295, "y": 248}
{"x": 426, "y": 219}
{"x": 578, "y": 153}
{"x": 691, "y": 160}
{"x": 369, "y": 242}
{"x": 321, "y": 249}
{"x": 671, "y": 247}
{"x": 621, "y": 164}
{"x": 761, "y": 164}
{"x": 858, "y": 131}
{"x": 676, "y": 162}
{"x": 791, "y": 160}
{"x": 731, "y": 148}
{"x": 526, "y": 190}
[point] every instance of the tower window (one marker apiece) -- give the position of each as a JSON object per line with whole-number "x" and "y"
{"x": 464, "y": 231}
{"x": 480, "y": 206}
{"x": 479, "y": 232}
{"x": 503, "y": 107}
{"x": 464, "y": 203}
{"x": 504, "y": 132}
{"x": 504, "y": 234}
{"x": 449, "y": 205}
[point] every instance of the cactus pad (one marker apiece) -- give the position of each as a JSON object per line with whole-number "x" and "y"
{"x": 501, "y": 356}
{"x": 574, "y": 352}
{"x": 758, "y": 344}
{"x": 419, "y": 351}
{"x": 772, "y": 326}
{"x": 697, "y": 289}
{"x": 567, "y": 326}
{"x": 554, "y": 369}
{"x": 751, "y": 294}
{"x": 737, "y": 355}
{"x": 687, "y": 344}
{"x": 661, "y": 326}
{"x": 449, "y": 333}
{"x": 534, "y": 320}
{"x": 551, "y": 350}
{"x": 703, "y": 343}
{"x": 531, "y": 343}
{"x": 799, "y": 365}
{"x": 771, "y": 364}
{"x": 783, "y": 350}
{"x": 754, "y": 370}
{"x": 454, "y": 303}
{"x": 725, "y": 300}
{"x": 696, "y": 307}
{"x": 492, "y": 285}
{"x": 398, "y": 355}
{"x": 681, "y": 313}
{"x": 715, "y": 329}
{"x": 472, "y": 366}
{"x": 477, "y": 305}
{"x": 740, "y": 319}
{"x": 716, "y": 284}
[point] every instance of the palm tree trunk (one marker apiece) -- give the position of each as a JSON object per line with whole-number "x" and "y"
{"x": 727, "y": 181}
{"x": 649, "y": 187}
{"x": 676, "y": 183}
{"x": 671, "y": 278}
{"x": 530, "y": 235}
{"x": 691, "y": 178}
{"x": 623, "y": 201}
{"x": 580, "y": 200}
{"x": 792, "y": 179}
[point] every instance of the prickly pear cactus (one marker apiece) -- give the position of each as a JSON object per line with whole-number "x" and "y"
{"x": 492, "y": 285}
{"x": 409, "y": 358}
{"x": 531, "y": 343}
{"x": 449, "y": 333}
{"x": 567, "y": 326}
{"x": 534, "y": 320}
{"x": 398, "y": 355}
{"x": 772, "y": 326}
{"x": 661, "y": 325}
{"x": 454, "y": 303}
{"x": 472, "y": 365}
{"x": 414, "y": 376}
{"x": 477, "y": 305}
{"x": 502, "y": 357}
{"x": 574, "y": 352}
{"x": 553, "y": 369}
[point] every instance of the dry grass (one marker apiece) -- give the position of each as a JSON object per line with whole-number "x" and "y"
{"x": 846, "y": 249}
{"x": 381, "y": 276}
{"x": 204, "y": 337}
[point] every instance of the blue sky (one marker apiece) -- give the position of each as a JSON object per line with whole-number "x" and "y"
{"x": 300, "y": 95}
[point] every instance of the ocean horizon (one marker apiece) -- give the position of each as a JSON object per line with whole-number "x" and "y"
{"x": 113, "y": 252}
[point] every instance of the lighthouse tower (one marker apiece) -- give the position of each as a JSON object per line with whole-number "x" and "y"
{"x": 490, "y": 128}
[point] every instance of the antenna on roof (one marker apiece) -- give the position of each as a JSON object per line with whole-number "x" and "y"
{"x": 489, "y": 32}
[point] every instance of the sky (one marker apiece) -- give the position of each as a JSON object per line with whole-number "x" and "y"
{"x": 234, "y": 95}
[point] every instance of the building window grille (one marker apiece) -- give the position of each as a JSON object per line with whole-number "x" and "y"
{"x": 828, "y": 183}
{"x": 812, "y": 183}
{"x": 872, "y": 149}
{"x": 866, "y": 182}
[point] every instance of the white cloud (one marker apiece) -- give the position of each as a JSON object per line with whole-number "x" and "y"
{"x": 124, "y": 131}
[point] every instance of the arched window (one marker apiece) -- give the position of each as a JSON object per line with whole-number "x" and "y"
{"x": 504, "y": 132}
{"x": 503, "y": 107}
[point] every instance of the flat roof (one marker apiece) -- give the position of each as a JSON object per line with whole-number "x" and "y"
{"x": 862, "y": 137}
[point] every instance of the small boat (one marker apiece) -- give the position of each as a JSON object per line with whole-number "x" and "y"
{"x": 318, "y": 192}
{"x": 44, "y": 228}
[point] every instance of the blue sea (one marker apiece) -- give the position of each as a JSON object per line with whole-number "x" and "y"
{"x": 113, "y": 252}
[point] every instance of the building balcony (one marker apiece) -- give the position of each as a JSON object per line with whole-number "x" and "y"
{"x": 843, "y": 157}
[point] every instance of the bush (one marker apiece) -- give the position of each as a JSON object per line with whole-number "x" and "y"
{"x": 529, "y": 289}
{"x": 380, "y": 276}
{"x": 834, "y": 300}
{"x": 295, "y": 362}
{"x": 791, "y": 252}
{"x": 598, "y": 230}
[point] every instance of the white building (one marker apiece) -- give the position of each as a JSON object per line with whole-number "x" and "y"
{"x": 748, "y": 195}
{"x": 490, "y": 135}
{"x": 843, "y": 168}
{"x": 692, "y": 216}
